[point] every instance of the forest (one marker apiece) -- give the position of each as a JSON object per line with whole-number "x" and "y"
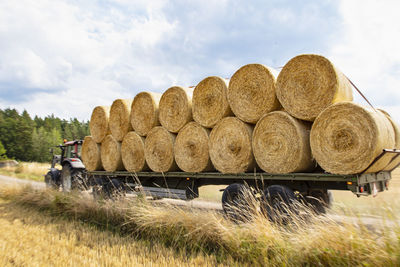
{"x": 25, "y": 139}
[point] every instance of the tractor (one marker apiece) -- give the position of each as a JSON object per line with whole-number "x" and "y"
{"x": 72, "y": 173}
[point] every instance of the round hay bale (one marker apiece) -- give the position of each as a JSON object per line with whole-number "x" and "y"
{"x": 159, "y": 150}
{"x": 395, "y": 160}
{"x": 251, "y": 92}
{"x": 90, "y": 154}
{"x": 111, "y": 154}
{"x": 175, "y": 109}
{"x": 144, "y": 112}
{"x": 210, "y": 103}
{"x": 281, "y": 144}
{"x": 99, "y": 123}
{"x": 346, "y": 138}
{"x": 308, "y": 84}
{"x": 132, "y": 153}
{"x": 191, "y": 148}
{"x": 120, "y": 118}
{"x": 230, "y": 146}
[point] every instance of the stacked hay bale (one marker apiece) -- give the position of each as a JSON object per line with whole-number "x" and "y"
{"x": 99, "y": 123}
{"x": 144, "y": 112}
{"x": 111, "y": 154}
{"x": 120, "y": 118}
{"x": 308, "y": 84}
{"x": 91, "y": 156}
{"x": 252, "y": 92}
{"x": 132, "y": 153}
{"x": 191, "y": 148}
{"x": 347, "y": 137}
{"x": 175, "y": 109}
{"x": 210, "y": 103}
{"x": 281, "y": 144}
{"x": 159, "y": 150}
{"x": 230, "y": 146}
{"x": 282, "y": 125}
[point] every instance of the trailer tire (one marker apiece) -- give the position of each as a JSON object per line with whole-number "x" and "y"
{"x": 278, "y": 203}
{"x": 235, "y": 202}
{"x": 115, "y": 189}
{"x": 319, "y": 200}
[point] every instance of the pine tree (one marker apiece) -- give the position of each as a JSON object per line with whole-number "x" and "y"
{"x": 2, "y": 152}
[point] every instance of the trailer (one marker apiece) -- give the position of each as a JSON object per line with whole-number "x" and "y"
{"x": 273, "y": 189}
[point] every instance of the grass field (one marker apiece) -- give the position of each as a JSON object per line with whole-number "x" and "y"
{"x": 30, "y": 238}
{"x": 138, "y": 232}
{"x": 80, "y": 228}
{"x": 27, "y": 170}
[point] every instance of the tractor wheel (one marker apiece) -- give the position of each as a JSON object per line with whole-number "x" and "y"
{"x": 319, "y": 200}
{"x": 50, "y": 183}
{"x": 235, "y": 202}
{"x": 278, "y": 203}
{"x": 71, "y": 179}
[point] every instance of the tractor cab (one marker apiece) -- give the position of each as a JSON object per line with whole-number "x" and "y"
{"x": 71, "y": 149}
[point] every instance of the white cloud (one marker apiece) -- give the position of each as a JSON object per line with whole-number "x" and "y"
{"x": 75, "y": 56}
{"x": 367, "y": 50}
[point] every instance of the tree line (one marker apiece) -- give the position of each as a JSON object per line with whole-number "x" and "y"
{"x": 26, "y": 139}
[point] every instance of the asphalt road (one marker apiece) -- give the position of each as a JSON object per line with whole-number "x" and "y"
{"x": 369, "y": 221}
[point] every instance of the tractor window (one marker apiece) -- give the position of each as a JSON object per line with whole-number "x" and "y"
{"x": 68, "y": 151}
{"x": 79, "y": 150}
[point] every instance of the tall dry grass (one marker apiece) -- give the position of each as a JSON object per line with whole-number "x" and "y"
{"x": 27, "y": 170}
{"x": 27, "y": 238}
{"x": 306, "y": 240}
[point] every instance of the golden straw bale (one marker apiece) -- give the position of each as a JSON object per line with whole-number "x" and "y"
{"x": 111, "y": 154}
{"x": 308, "y": 84}
{"x": 230, "y": 146}
{"x": 144, "y": 112}
{"x": 90, "y": 154}
{"x": 281, "y": 143}
{"x": 396, "y": 160}
{"x": 99, "y": 123}
{"x": 251, "y": 92}
{"x": 175, "y": 109}
{"x": 191, "y": 148}
{"x": 132, "y": 153}
{"x": 159, "y": 150}
{"x": 346, "y": 138}
{"x": 120, "y": 118}
{"x": 210, "y": 103}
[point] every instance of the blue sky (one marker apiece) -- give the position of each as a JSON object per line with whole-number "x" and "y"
{"x": 66, "y": 57}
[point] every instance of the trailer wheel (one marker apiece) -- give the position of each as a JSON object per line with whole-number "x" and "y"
{"x": 319, "y": 200}
{"x": 235, "y": 202}
{"x": 278, "y": 203}
{"x": 115, "y": 189}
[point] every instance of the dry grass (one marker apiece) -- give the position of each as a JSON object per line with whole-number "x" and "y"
{"x": 27, "y": 170}
{"x": 28, "y": 238}
{"x": 307, "y": 241}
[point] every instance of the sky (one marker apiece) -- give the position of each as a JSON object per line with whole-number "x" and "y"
{"x": 66, "y": 57}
